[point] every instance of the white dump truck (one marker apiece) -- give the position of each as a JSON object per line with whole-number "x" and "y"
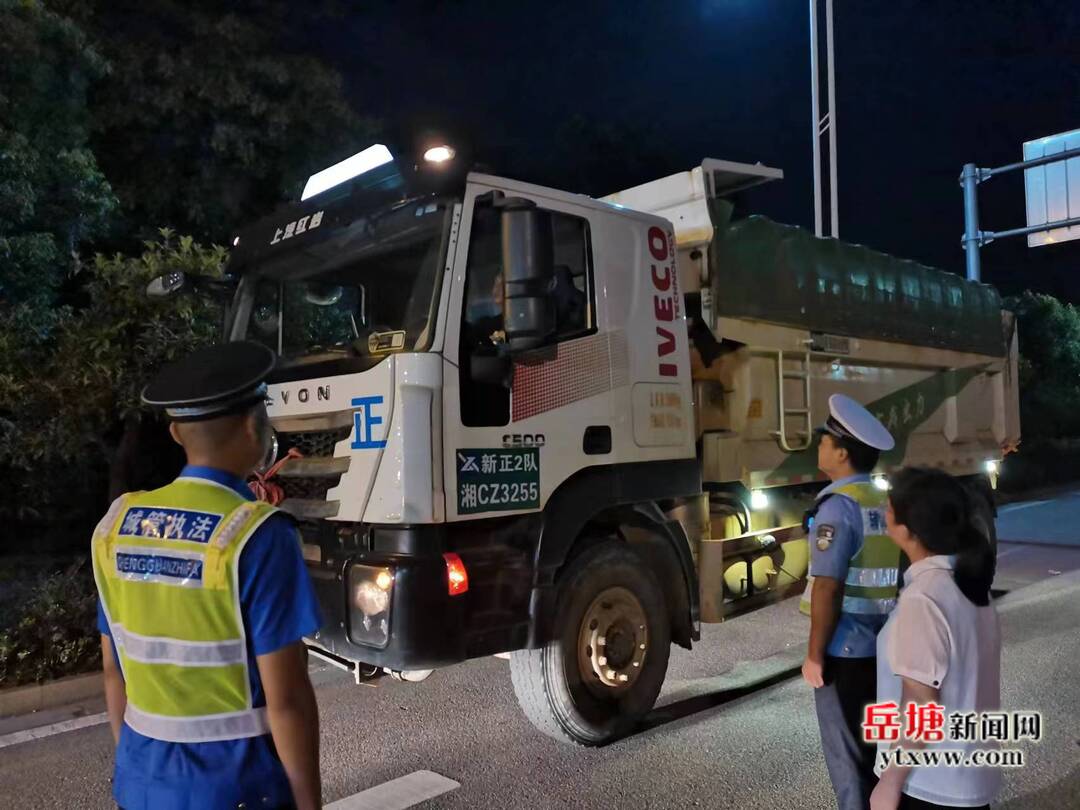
{"x": 520, "y": 420}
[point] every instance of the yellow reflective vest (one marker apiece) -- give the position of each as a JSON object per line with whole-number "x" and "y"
{"x": 872, "y": 579}
{"x": 166, "y": 567}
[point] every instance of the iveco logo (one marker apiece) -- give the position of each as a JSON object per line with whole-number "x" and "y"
{"x": 302, "y": 395}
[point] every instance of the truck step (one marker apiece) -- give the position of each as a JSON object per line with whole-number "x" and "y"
{"x": 314, "y": 467}
{"x": 310, "y": 508}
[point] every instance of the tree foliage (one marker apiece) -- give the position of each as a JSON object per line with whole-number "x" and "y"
{"x": 213, "y": 113}
{"x": 52, "y": 193}
{"x": 200, "y": 114}
{"x": 1049, "y": 334}
{"x": 63, "y": 406}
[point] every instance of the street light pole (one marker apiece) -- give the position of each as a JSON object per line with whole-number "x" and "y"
{"x": 815, "y": 116}
{"x": 823, "y": 123}
{"x": 834, "y": 209}
{"x": 972, "y": 238}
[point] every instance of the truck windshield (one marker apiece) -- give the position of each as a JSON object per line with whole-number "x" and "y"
{"x": 364, "y": 292}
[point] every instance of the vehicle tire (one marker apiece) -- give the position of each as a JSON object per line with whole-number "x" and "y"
{"x": 367, "y": 672}
{"x": 982, "y": 514}
{"x": 410, "y": 675}
{"x": 607, "y": 602}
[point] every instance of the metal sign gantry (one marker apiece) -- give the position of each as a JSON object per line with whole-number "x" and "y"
{"x": 974, "y": 238}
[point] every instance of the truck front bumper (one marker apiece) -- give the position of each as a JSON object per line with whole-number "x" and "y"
{"x": 422, "y": 627}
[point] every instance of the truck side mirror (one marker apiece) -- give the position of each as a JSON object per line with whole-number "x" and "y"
{"x": 166, "y": 285}
{"x": 528, "y": 260}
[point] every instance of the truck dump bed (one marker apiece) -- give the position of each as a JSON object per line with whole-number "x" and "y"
{"x": 794, "y": 319}
{"x": 763, "y": 270}
{"x": 782, "y": 274}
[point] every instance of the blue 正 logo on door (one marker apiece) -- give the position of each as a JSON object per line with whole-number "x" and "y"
{"x": 364, "y": 421}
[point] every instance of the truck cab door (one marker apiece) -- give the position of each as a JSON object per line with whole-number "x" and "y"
{"x": 516, "y": 426}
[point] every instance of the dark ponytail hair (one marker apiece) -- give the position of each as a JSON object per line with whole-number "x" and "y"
{"x": 937, "y": 509}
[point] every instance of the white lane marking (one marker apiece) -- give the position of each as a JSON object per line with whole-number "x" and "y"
{"x": 1016, "y": 507}
{"x": 397, "y": 794}
{"x": 1010, "y": 551}
{"x": 17, "y": 737}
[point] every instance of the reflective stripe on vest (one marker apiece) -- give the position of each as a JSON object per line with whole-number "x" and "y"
{"x": 868, "y": 607}
{"x": 157, "y": 650}
{"x": 208, "y": 728}
{"x": 872, "y": 577}
{"x": 166, "y": 566}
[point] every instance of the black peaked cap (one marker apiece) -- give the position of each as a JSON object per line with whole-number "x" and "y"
{"x": 212, "y": 382}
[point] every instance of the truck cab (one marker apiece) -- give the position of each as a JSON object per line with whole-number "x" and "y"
{"x": 469, "y": 382}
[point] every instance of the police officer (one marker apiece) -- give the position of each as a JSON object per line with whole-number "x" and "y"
{"x": 854, "y": 584}
{"x": 203, "y": 602}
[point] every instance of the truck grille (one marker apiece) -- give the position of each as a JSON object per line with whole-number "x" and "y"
{"x": 313, "y": 444}
{"x": 308, "y": 488}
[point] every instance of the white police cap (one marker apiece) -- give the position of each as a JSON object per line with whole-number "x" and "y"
{"x": 850, "y": 420}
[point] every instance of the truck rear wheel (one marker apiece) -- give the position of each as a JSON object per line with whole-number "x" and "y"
{"x": 603, "y": 667}
{"x": 982, "y": 515}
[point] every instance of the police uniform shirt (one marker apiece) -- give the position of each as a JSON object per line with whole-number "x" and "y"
{"x": 278, "y": 605}
{"x": 837, "y": 534}
{"x": 938, "y": 637}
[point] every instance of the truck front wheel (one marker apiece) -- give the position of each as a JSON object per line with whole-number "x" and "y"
{"x": 603, "y": 667}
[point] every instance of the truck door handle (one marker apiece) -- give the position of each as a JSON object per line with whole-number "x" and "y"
{"x": 597, "y": 440}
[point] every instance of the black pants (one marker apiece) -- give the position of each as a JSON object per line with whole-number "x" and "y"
{"x": 908, "y": 803}
{"x": 850, "y": 684}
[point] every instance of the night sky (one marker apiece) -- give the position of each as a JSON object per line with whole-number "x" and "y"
{"x": 922, "y": 88}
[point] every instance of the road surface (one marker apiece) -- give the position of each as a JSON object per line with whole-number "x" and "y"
{"x": 734, "y": 725}
{"x": 1038, "y": 539}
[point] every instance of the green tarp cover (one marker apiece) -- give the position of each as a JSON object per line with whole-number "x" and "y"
{"x": 763, "y": 270}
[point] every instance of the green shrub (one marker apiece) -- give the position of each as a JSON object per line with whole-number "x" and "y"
{"x": 48, "y": 626}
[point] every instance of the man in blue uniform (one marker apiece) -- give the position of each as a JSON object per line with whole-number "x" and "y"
{"x": 204, "y": 600}
{"x": 854, "y": 579}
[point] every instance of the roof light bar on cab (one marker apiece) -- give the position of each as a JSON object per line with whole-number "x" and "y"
{"x": 371, "y": 158}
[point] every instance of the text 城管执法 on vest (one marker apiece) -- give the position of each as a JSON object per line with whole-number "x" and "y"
{"x": 870, "y": 587}
{"x": 165, "y": 563}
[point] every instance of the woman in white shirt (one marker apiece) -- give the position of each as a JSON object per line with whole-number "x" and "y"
{"x": 941, "y": 645}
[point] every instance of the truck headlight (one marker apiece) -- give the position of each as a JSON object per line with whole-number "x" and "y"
{"x": 371, "y": 599}
{"x": 370, "y": 595}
